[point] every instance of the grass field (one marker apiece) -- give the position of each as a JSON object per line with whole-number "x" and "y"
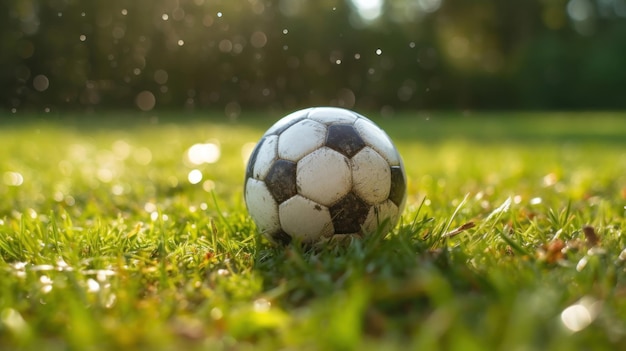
{"x": 110, "y": 240}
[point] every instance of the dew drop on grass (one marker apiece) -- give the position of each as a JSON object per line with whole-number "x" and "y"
{"x": 92, "y": 286}
{"x": 582, "y": 263}
{"x": 46, "y": 284}
{"x": 504, "y": 207}
{"x": 19, "y": 268}
{"x": 19, "y": 265}
{"x": 110, "y": 301}
{"x": 42, "y": 268}
{"x": 62, "y": 265}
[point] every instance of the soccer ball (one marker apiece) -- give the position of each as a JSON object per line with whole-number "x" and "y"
{"x": 324, "y": 172}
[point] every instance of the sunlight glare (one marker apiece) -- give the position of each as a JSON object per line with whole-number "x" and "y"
{"x": 368, "y": 10}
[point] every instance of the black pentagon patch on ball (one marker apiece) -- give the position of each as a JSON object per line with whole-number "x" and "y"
{"x": 344, "y": 139}
{"x": 348, "y": 214}
{"x": 281, "y": 180}
{"x": 398, "y": 185}
{"x": 252, "y": 159}
{"x": 281, "y": 238}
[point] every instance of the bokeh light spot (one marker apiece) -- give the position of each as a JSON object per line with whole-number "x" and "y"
{"x": 41, "y": 83}
{"x": 429, "y": 5}
{"x": 198, "y": 154}
{"x": 579, "y": 10}
{"x": 194, "y": 176}
{"x": 208, "y": 186}
{"x": 145, "y": 100}
{"x": 143, "y": 156}
{"x": 581, "y": 314}
{"x": 13, "y": 179}
{"x": 258, "y": 39}
{"x": 225, "y": 46}
{"x": 161, "y": 76}
{"x": 368, "y": 10}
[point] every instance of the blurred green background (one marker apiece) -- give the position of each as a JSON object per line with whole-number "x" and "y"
{"x": 380, "y": 55}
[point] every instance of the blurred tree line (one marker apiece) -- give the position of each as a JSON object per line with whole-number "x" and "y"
{"x": 285, "y": 54}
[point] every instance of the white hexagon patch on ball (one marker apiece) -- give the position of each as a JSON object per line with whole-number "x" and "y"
{"x": 324, "y": 172}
